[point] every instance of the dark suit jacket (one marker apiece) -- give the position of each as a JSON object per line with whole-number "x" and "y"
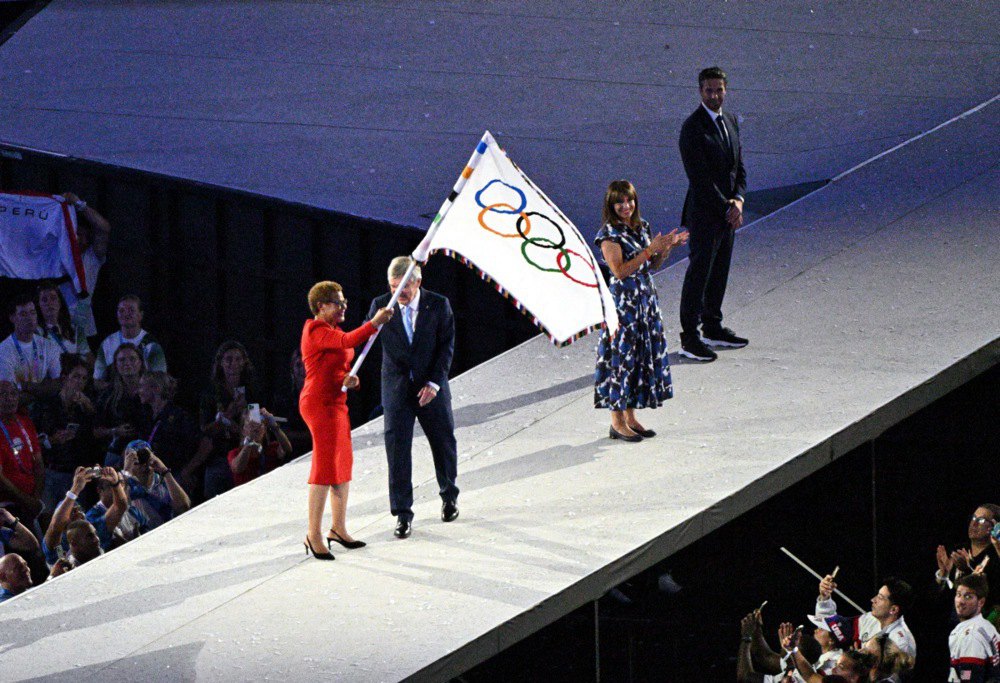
{"x": 428, "y": 358}
{"x": 715, "y": 174}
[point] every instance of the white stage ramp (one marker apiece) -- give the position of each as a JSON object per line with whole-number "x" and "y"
{"x": 864, "y": 302}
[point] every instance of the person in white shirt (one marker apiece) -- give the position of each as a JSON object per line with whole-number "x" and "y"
{"x": 886, "y": 615}
{"x": 130, "y": 321}
{"x": 974, "y": 643}
{"x": 29, "y": 361}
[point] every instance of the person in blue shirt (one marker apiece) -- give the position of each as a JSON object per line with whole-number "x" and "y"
{"x": 70, "y": 529}
{"x": 15, "y": 576}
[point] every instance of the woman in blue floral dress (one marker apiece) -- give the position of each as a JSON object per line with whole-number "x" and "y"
{"x": 633, "y": 370}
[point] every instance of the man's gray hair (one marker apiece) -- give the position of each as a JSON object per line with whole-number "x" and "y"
{"x": 398, "y": 266}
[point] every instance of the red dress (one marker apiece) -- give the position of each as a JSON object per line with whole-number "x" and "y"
{"x": 327, "y": 352}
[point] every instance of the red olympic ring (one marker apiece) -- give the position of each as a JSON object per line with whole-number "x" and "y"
{"x": 559, "y": 260}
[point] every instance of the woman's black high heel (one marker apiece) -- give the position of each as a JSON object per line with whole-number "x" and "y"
{"x": 350, "y": 545}
{"x": 318, "y": 556}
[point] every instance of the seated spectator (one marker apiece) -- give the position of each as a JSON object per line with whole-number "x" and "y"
{"x": 14, "y": 536}
{"x": 22, "y": 472}
{"x": 130, "y": 332}
{"x": 68, "y": 421}
{"x": 263, "y": 449}
{"x": 15, "y": 576}
{"x": 121, "y": 417}
{"x": 974, "y": 643}
{"x": 92, "y": 236}
{"x": 56, "y": 325}
{"x": 219, "y": 418}
{"x": 71, "y": 531}
{"x": 26, "y": 359}
{"x": 152, "y": 487}
{"x": 173, "y": 435}
{"x": 886, "y": 615}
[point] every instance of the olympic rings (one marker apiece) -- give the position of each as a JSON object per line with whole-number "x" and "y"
{"x": 523, "y": 225}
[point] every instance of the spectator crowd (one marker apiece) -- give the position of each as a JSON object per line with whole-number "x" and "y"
{"x": 94, "y": 451}
{"x": 878, "y": 644}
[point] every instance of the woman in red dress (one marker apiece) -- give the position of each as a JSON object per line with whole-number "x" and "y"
{"x": 327, "y": 352}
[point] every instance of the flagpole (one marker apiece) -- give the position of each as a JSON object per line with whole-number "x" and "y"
{"x": 422, "y": 252}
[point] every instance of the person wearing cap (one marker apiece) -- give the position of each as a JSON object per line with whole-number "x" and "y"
{"x": 831, "y": 647}
{"x": 886, "y": 616}
{"x": 974, "y": 644}
{"x": 152, "y": 487}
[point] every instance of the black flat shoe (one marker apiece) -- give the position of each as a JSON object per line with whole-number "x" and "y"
{"x": 350, "y": 545}
{"x": 624, "y": 437}
{"x": 644, "y": 433}
{"x": 318, "y": 556}
{"x": 403, "y": 528}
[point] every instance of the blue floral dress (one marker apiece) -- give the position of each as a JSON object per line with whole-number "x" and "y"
{"x": 633, "y": 370}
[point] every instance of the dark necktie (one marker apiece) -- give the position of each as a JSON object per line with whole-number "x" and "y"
{"x": 725, "y": 133}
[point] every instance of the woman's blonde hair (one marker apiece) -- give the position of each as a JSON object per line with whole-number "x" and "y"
{"x": 322, "y": 293}
{"x": 617, "y": 191}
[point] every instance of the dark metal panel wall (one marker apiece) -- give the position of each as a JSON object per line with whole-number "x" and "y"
{"x": 212, "y": 264}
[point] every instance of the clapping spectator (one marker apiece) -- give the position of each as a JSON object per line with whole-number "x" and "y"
{"x": 219, "y": 417}
{"x": 173, "y": 435}
{"x": 26, "y": 359}
{"x": 263, "y": 449}
{"x": 130, "y": 332}
{"x": 55, "y": 324}
{"x": 22, "y": 472}
{"x": 121, "y": 416}
{"x": 14, "y": 536}
{"x": 152, "y": 487}
{"x": 15, "y": 576}
{"x": 963, "y": 561}
{"x": 68, "y": 421}
{"x": 92, "y": 236}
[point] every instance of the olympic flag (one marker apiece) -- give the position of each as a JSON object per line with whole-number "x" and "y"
{"x": 502, "y": 225}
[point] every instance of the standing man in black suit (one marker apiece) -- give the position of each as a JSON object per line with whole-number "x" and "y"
{"x": 713, "y": 210}
{"x": 417, "y": 346}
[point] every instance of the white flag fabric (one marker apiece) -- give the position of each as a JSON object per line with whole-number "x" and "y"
{"x": 504, "y": 227}
{"x": 38, "y": 239}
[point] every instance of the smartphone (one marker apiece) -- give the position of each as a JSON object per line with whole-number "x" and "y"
{"x": 253, "y": 411}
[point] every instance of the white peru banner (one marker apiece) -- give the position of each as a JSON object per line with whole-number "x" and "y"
{"x": 504, "y": 227}
{"x": 38, "y": 239}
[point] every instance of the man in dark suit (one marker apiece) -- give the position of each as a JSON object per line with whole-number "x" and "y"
{"x": 713, "y": 210}
{"x": 417, "y": 346}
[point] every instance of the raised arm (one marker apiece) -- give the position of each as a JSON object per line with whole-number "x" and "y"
{"x": 64, "y": 511}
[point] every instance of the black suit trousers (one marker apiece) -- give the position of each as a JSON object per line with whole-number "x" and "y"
{"x": 711, "y": 250}
{"x": 436, "y": 420}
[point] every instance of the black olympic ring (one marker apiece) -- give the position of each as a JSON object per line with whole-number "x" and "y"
{"x": 537, "y": 241}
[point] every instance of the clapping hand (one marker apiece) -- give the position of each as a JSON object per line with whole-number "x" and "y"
{"x": 944, "y": 561}
{"x": 962, "y": 559}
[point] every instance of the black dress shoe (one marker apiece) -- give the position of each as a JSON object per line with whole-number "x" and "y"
{"x": 644, "y": 433}
{"x": 403, "y": 528}
{"x": 624, "y": 437}
{"x": 449, "y": 511}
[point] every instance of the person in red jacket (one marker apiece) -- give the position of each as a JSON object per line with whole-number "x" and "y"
{"x": 327, "y": 352}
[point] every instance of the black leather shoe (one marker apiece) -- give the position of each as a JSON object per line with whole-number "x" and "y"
{"x": 403, "y": 528}
{"x": 624, "y": 437}
{"x": 449, "y": 511}
{"x": 644, "y": 433}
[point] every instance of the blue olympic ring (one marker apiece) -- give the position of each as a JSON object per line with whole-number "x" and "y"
{"x": 524, "y": 200}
